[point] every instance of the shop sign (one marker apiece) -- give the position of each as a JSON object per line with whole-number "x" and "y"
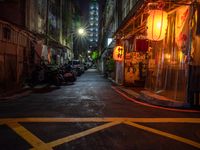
{"x": 182, "y": 28}
{"x": 128, "y": 56}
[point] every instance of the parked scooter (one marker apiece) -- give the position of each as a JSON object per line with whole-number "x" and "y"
{"x": 53, "y": 76}
{"x": 69, "y": 74}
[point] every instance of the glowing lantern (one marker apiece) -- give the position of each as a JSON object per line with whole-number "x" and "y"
{"x": 157, "y": 25}
{"x": 118, "y": 53}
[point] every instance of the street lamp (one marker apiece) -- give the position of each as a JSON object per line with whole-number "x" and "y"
{"x": 80, "y": 42}
{"x": 81, "y": 32}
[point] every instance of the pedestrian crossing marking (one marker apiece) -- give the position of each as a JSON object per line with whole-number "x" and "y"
{"x": 38, "y": 144}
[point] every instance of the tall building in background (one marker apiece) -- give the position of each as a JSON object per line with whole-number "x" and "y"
{"x": 93, "y": 24}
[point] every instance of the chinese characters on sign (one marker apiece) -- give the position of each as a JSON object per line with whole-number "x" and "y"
{"x": 118, "y": 53}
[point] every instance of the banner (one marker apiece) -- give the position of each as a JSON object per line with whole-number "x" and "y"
{"x": 182, "y": 28}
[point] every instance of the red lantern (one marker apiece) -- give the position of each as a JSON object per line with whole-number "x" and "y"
{"x": 118, "y": 53}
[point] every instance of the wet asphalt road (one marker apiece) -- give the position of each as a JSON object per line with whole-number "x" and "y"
{"x": 91, "y": 96}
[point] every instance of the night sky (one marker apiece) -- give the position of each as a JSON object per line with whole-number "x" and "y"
{"x": 84, "y": 6}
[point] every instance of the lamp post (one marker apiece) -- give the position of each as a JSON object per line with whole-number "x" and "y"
{"x": 79, "y": 41}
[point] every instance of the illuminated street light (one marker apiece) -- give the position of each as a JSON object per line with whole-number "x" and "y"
{"x": 81, "y": 31}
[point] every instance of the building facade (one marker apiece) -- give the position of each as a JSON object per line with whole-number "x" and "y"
{"x": 15, "y": 44}
{"x": 167, "y": 66}
{"x": 40, "y": 32}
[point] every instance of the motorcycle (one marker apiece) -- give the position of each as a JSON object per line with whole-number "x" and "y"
{"x": 53, "y": 76}
{"x": 69, "y": 74}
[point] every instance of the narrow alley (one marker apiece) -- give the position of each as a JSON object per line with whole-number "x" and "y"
{"x": 90, "y": 114}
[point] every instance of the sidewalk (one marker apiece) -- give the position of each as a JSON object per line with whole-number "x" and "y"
{"x": 26, "y": 90}
{"x": 143, "y": 95}
{"x": 151, "y": 98}
{"x": 17, "y": 93}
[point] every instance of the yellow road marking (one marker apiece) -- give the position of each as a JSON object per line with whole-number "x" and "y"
{"x": 28, "y": 136}
{"x": 82, "y": 134}
{"x": 40, "y": 145}
{"x": 165, "y": 134}
{"x": 145, "y": 120}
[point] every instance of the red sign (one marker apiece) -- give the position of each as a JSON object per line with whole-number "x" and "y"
{"x": 142, "y": 45}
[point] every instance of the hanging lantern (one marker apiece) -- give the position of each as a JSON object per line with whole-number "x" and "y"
{"x": 118, "y": 53}
{"x": 157, "y": 25}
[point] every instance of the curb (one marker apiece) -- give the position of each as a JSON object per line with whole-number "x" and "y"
{"x": 140, "y": 102}
{"x": 159, "y": 100}
{"x": 151, "y": 98}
